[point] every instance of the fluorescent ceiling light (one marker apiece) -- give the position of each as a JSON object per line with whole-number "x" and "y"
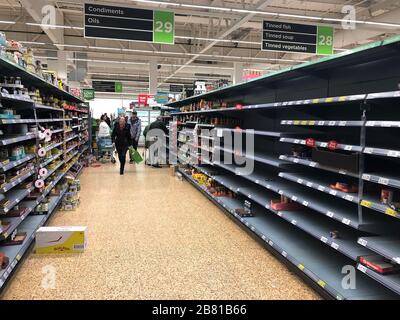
{"x": 31, "y": 42}
{"x": 7, "y": 22}
{"x": 43, "y": 25}
{"x": 219, "y": 40}
{"x": 107, "y": 61}
{"x": 264, "y": 13}
{"x": 48, "y": 58}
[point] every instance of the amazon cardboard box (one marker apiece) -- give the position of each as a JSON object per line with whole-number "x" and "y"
{"x": 60, "y": 239}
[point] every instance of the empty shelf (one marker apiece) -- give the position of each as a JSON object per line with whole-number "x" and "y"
{"x": 391, "y": 281}
{"x": 341, "y": 211}
{"x": 322, "y": 123}
{"x": 313, "y": 164}
{"x": 268, "y": 181}
{"x": 319, "y": 184}
{"x": 272, "y": 160}
{"x": 373, "y": 203}
{"x": 382, "y": 152}
{"x": 322, "y": 144}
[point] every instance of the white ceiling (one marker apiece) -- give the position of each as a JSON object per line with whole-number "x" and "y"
{"x": 208, "y": 41}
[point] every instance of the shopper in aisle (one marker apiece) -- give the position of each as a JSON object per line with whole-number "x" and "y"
{"x": 104, "y": 128}
{"x": 136, "y": 128}
{"x": 121, "y": 136}
{"x": 152, "y": 136}
{"x": 107, "y": 119}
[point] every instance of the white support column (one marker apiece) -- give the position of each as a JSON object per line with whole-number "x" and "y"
{"x": 237, "y": 72}
{"x": 60, "y": 65}
{"x": 153, "y": 77}
{"x": 46, "y": 13}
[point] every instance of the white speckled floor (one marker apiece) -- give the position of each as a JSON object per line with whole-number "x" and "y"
{"x": 151, "y": 236}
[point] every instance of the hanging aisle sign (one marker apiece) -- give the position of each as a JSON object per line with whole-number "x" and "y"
{"x": 109, "y": 22}
{"x": 293, "y": 37}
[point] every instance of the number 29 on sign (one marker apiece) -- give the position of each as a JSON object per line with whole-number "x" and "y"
{"x": 164, "y": 27}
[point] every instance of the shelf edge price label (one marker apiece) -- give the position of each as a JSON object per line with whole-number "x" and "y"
{"x": 163, "y": 27}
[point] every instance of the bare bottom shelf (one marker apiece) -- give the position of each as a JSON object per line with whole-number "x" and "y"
{"x": 319, "y": 263}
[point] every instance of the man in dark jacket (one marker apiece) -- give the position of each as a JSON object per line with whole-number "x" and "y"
{"x": 152, "y": 138}
{"x": 121, "y": 136}
{"x": 136, "y": 128}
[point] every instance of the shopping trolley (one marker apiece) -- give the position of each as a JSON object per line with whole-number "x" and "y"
{"x": 105, "y": 150}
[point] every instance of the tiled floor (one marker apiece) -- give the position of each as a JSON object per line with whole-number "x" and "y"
{"x": 151, "y": 236}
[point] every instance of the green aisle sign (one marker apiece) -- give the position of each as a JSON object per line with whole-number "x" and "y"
{"x": 325, "y": 40}
{"x": 163, "y": 27}
{"x": 88, "y": 94}
{"x": 118, "y": 87}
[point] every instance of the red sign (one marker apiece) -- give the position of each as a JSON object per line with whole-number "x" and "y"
{"x": 332, "y": 145}
{"x": 143, "y": 99}
{"x": 310, "y": 142}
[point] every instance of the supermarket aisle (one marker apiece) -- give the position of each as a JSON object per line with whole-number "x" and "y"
{"x": 147, "y": 241}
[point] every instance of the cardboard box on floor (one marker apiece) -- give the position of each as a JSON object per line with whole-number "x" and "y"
{"x": 60, "y": 239}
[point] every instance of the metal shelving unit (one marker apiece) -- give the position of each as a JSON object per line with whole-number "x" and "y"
{"x": 315, "y": 263}
{"x": 14, "y": 194}
{"x": 354, "y": 109}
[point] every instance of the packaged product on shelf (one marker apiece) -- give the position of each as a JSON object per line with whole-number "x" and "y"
{"x": 379, "y": 264}
{"x": 246, "y": 210}
{"x": 4, "y": 261}
{"x": 4, "y": 159}
{"x": 344, "y": 187}
{"x": 285, "y": 204}
{"x": 60, "y": 239}
{"x": 4, "y": 226}
{"x": 15, "y": 239}
{"x": 17, "y": 211}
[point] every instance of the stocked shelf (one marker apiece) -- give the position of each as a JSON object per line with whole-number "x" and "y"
{"x": 71, "y": 138}
{"x": 54, "y": 157}
{"x": 15, "y": 98}
{"x": 9, "y": 68}
{"x": 43, "y": 107}
{"x": 50, "y": 120}
{"x": 10, "y": 139}
{"x": 14, "y": 197}
{"x": 12, "y": 164}
{"x": 15, "y": 253}
{"x": 16, "y": 121}
{"x": 16, "y": 181}
{"x": 52, "y": 146}
{"x": 313, "y": 164}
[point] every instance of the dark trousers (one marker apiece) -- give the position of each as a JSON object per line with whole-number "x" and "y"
{"x": 122, "y": 157}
